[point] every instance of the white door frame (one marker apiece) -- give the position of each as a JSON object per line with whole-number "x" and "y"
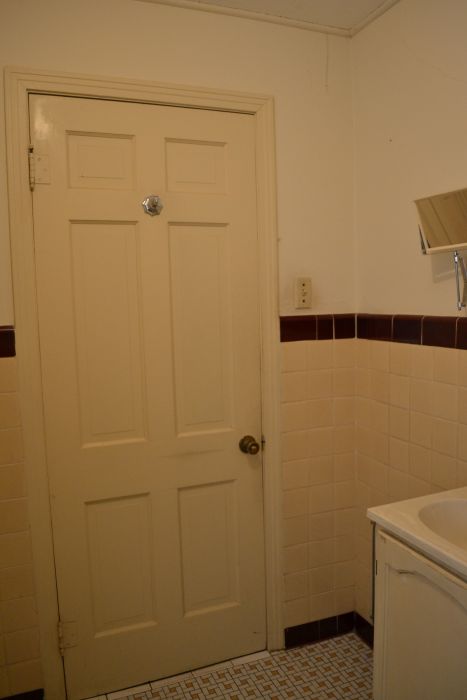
{"x": 19, "y": 83}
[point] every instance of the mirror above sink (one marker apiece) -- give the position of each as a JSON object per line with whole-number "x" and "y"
{"x": 443, "y": 221}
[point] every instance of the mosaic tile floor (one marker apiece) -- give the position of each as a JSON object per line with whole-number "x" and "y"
{"x": 335, "y": 669}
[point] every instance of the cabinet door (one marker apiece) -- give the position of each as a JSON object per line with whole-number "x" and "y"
{"x": 420, "y": 627}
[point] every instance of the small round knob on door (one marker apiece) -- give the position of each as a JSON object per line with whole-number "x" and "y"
{"x": 249, "y": 445}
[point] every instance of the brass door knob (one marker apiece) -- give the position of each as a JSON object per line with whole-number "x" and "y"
{"x": 249, "y": 445}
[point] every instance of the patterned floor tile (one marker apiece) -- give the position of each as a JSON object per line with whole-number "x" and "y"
{"x": 336, "y": 669}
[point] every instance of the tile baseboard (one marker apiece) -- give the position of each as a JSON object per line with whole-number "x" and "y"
{"x": 7, "y": 341}
{"x": 438, "y": 331}
{"x": 330, "y": 627}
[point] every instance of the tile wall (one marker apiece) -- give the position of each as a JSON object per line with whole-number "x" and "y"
{"x": 411, "y": 432}
{"x": 318, "y": 448}
{"x": 19, "y": 635}
{"x": 364, "y": 422}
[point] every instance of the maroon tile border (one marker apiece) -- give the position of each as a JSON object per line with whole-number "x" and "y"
{"x": 439, "y": 331}
{"x": 324, "y": 327}
{"x": 7, "y": 341}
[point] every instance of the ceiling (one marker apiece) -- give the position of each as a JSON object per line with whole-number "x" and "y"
{"x": 344, "y": 17}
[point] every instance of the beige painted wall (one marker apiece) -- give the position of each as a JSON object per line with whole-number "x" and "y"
{"x": 135, "y": 39}
{"x": 410, "y": 97}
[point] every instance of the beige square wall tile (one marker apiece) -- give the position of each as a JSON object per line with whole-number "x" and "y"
{"x": 294, "y": 386}
{"x": 4, "y": 683}
{"x": 25, "y": 676}
{"x": 379, "y": 417}
{"x": 16, "y": 582}
{"x": 22, "y": 645}
{"x": 462, "y": 368}
{"x": 421, "y": 429}
{"x": 320, "y": 413}
{"x": 320, "y": 527}
{"x": 344, "y": 382}
{"x": 344, "y": 411}
{"x": 11, "y": 446}
{"x": 295, "y": 558}
{"x": 14, "y": 515}
{"x": 18, "y": 614}
{"x": 444, "y": 471}
{"x": 379, "y": 355}
{"x": 344, "y": 353}
{"x": 295, "y": 416}
{"x": 344, "y": 466}
{"x": 445, "y": 437}
{"x": 321, "y": 579}
{"x": 322, "y": 606}
{"x": 345, "y": 548}
{"x": 320, "y": 354}
{"x": 418, "y": 487}
{"x": 321, "y": 470}
{"x": 399, "y": 358}
{"x": 344, "y": 438}
{"x": 399, "y": 391}
{"x": 446, "y": 365}
{"x": 8, "y": 376}
{"x": 344, "y": 494}
{"x": 399, "y": 423}
{"x": 294, "y": 356}
{"x": 295, "y": 474}
{"x": 15, "y": 549}
{"x": 321, "y": 498}
{"x": 362, "y": 353}
{"x": 9, "y": 411}
{"x": 296, "y": 612}
{"x": 345, "y": 600}
{"x": 344, "y": 574}
{"x": 422, "y": 362}
{"x": 462, "y": 410}
{"x": 362, "y": 382}
{"x": 296, "y": 586}
{"x": 321, "y": 442}
{"x": 398, "y": 485}
{"x": 321, "y": 384}
{"x": 295, "y": 445}
{"x": 295, "y": 502}
{"x": 321, "y": 552}
{"x": 421, "y": 395}
{"x": 295, "y": 530}
{"x": 420, "y": 462}
{"x": 461, "y": 473}
{"x": 379, "y": 386}
{"x": 445, "y": 401}
{"x": 462, "y": 442}
{"x": 344, "y": 521}
{"x": 12, "y": 481}
{"x": 399, "y": 454}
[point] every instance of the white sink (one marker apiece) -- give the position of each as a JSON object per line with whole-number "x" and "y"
{"x": 436, "y": 525}
{"x": 447, "y": 519}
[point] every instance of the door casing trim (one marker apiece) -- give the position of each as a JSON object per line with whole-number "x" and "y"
{"x": 19, "y": 83}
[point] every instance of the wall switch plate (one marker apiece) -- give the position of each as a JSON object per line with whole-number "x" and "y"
{"x": 303, "y": 292}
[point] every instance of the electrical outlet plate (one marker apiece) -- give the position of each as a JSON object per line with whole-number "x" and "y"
{"x": 303, "y": 292}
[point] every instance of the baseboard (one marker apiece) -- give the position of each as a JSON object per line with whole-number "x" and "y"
{"x": 31, "y": 695}
{"x": 329, "y": 627}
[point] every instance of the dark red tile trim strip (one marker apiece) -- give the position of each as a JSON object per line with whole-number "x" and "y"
{"x": 7, "y": 341}
{"x": 439, "y": 331}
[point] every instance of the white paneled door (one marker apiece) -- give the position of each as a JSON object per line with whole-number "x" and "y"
{"x": 150, "y": 351}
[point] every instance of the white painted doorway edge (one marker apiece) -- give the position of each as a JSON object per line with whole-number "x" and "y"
{"x": 19, "y": 83}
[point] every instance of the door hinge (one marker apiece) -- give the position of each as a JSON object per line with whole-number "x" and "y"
{"x": 32, "y": 168}
{"x": 67, "y": 636}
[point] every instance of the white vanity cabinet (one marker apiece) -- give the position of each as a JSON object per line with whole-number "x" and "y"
{"x": 420, "y": 650}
